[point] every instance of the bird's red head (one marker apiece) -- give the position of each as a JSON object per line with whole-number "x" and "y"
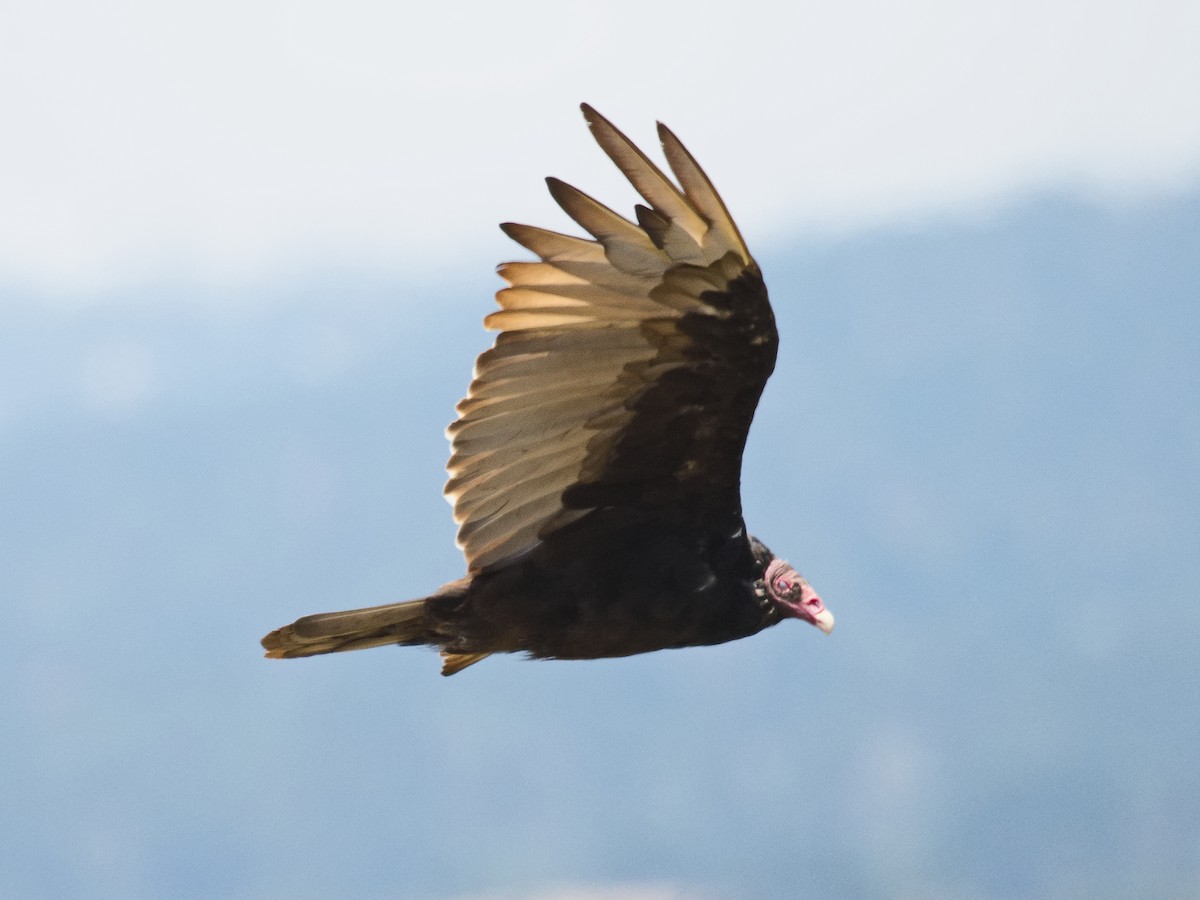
{"x": 795, "y": 597}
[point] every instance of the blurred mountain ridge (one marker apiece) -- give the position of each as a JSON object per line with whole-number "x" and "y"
{"x": 980, "y": 444}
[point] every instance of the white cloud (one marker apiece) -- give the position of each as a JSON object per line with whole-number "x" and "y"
{"x": 231, "y": 140}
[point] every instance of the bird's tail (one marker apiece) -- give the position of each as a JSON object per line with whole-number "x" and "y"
{"x": 374, "y": 626}
{"x": 351, "y": 629}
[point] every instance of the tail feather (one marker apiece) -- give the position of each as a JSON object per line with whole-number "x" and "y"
{"x": 352, "y": 629}
{"x": 456, "y": 662}
{"x": 372, "y": 626}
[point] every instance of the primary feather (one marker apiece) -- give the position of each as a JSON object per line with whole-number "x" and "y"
{"x": 595, "y": 461}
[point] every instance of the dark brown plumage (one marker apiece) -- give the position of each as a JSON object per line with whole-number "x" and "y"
{"x": 596, "y": 460}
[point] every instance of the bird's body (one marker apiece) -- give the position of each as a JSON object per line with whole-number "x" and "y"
{"x": 595, "y": 470}
{"x": 652, "y": 588}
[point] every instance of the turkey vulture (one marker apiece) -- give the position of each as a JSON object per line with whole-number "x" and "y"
{"x": 596, "y": 459}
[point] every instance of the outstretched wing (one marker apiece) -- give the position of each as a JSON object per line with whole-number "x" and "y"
{"x": 627, "y": 369}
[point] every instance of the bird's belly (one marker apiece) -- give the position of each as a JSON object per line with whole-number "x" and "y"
{"x": 600, "y": 614}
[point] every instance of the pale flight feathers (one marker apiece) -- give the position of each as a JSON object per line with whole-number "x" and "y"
{"x": 581, "y": 329}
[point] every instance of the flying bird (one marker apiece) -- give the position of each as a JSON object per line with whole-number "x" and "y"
{"x": 596, "y": 460}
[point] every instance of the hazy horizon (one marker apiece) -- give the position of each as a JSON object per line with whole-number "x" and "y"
{"x": 980, "y": 445}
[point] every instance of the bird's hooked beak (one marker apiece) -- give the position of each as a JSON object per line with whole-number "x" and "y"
{"x": 824, "y": 620}
{"x": 814, "y": 608}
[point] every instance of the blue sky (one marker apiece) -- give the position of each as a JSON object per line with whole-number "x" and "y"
{"x": 242, "y": 285}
